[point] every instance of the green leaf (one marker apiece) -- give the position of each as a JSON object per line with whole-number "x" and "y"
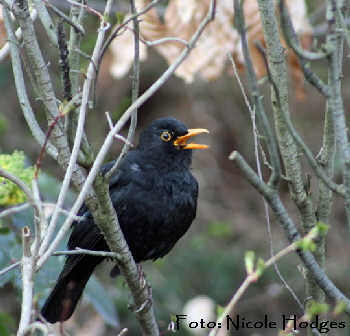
{"x": 249, "y": 259}
{"x": 220, "y": 310}
{"x": 10, "y": 193}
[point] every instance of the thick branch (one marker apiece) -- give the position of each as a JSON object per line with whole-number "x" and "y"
{"x": 28, "y": 269}
{"x": 289, "y": 150}
{"x": 335, "y": 101}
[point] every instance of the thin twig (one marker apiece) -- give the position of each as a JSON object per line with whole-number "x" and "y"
{"x": 256, "y": 96}
{"x": 105, "y": 254}
{"x": 159, "y": 41}
{"x": 66, "y": 18}
{"x": 117, "y": 29}
{"x": 117, "y": 136}
{"x": 135, "y": 92}
{"x": 293, "y": 42}
{"x": 87, "y": 8}
{"x": 9, "y": 268}
{"x": 15, "y": 209}
{"x": 251, "y": 278}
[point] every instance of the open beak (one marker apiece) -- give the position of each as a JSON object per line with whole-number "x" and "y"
{"x": 181, "y": 141}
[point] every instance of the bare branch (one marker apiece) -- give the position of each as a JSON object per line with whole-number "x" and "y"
{"x": 292, "y": 41}
{"x": 291, "y": 232}
{"x": 66, "y": 18}
{"x": 5, "y": 50}
{"x": 64, "y": 62}
{"x": 289, "y": 34}
{"x": 28, "y": 112}
{"x": 28, "y": 269}
{"x": 117, "y": 29}
{"x": 256, "y": 96}
{"x": 335, "y": 101}
{"x": 134, "y": 94}
{"x": 257, "y": 145}
{"x": 90, "y": 75}
{"x": 46, "y": 21}
{"x": 339, "y": 189}
{"x": 10, "y": 268}
{"x": 105, "y": 254}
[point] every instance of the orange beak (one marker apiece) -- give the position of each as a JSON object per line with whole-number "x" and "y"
{"x": 181, "y": 141}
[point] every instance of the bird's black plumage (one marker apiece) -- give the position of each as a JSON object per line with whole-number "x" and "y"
{"x": 155, "y": 197}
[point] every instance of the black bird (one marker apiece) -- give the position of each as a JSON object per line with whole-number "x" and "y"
{"x": 155, "y": 197}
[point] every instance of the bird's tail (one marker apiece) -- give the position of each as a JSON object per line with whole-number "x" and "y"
{"x": 64, "y": 297}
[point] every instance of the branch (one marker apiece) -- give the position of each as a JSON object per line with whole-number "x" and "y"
{"x": 256, "y": 96}
{"x": 279, "y": 99}
{"x": 266, "y": 209}
{"x": 28, "y": 269}
{"x": 117, "y": 29}
{"x": 4, "y": 51}
{"x": 293, "y": 42}
{"x": 64, "y": 17}
{"x": 46, "y": 21}
{"x": 90, "y": 75}
{"x": 291, "y": 232}
{"x": 105, "y": 254}
{"x": 10, "y": 268}
{"x": 44, "y": 86}
{"x": 64, "y": 62}
{"x": 320, "y": 173}
{"x": 28, "y": 112}
{"x": 335, "y": 101}
{"x": 251, "y": 278}
{"x": 134, "y": 94}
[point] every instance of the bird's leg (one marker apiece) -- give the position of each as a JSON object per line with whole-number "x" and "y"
{"x": 145, "y": 305}
{"x": 143, "y": 282}
{"x": 142, "y": 276}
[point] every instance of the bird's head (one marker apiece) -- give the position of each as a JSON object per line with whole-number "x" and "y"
{"x": 169, "y": 137}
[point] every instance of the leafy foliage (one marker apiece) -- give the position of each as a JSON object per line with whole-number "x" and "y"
{"x": 10, "y": 193}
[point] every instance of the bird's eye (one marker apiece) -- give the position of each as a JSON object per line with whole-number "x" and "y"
{"x": 165, "y": 136}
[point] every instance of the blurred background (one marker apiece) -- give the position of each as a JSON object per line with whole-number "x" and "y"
{"x": 209, "y": 260}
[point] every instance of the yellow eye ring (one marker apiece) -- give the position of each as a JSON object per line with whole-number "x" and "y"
{"x": 165, "y": 136}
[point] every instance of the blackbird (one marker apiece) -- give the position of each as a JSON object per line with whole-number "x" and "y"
{"x": 155, "y": 197}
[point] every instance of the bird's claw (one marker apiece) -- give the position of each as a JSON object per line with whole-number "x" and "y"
{"x": 142, "y": 277}
{"x": 145, "y": 305}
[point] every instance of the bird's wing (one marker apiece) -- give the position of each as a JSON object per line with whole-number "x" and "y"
{"x": 122, "y": 186}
